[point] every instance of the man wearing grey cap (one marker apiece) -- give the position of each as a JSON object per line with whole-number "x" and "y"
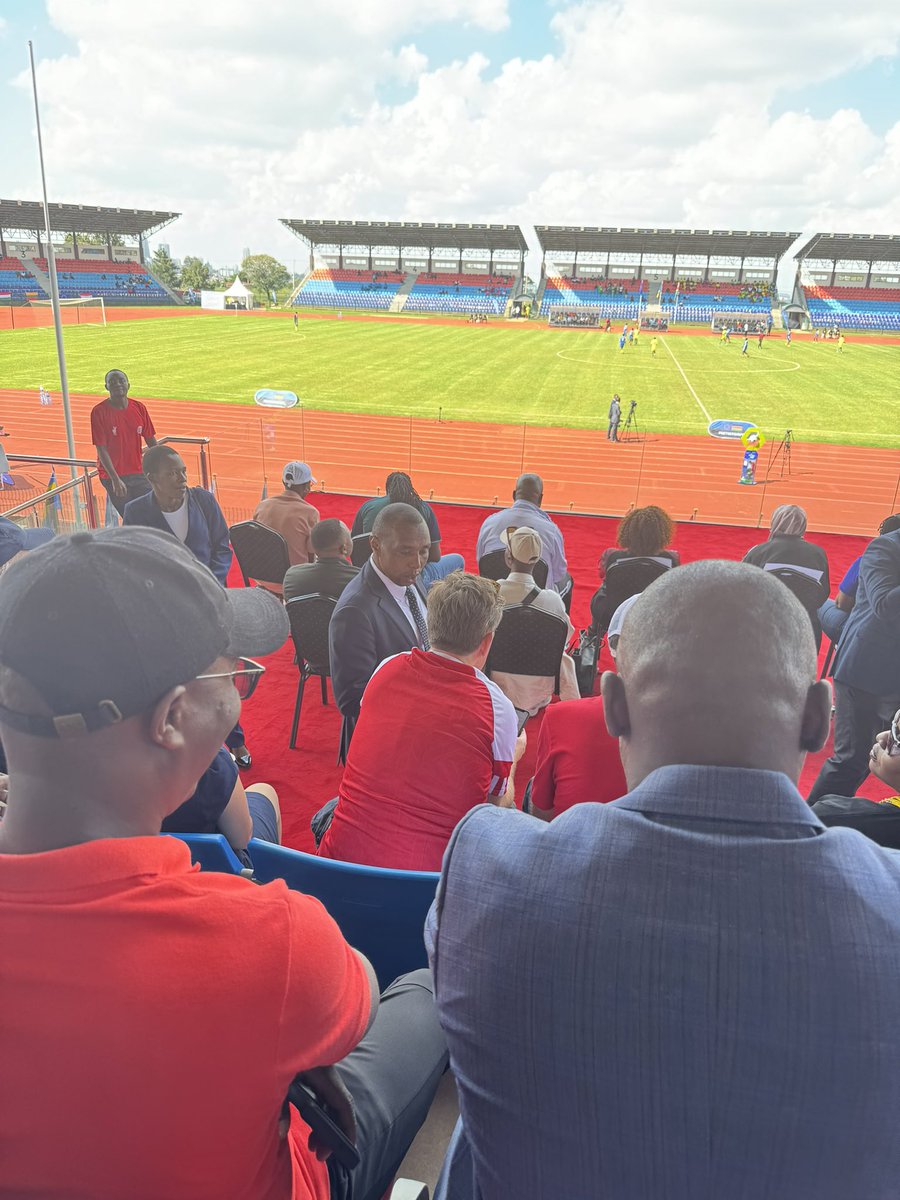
{"x": 290, "y": 514}
{"x": 128, "y": 978}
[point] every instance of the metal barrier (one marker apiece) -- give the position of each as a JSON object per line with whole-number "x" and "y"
{"x": 80, "y": 502}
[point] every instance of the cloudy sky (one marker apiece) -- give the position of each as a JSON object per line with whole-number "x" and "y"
{"x": 693, "y": 113}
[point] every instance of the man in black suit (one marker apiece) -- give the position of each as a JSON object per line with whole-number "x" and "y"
{"x": 330, "y": 573}
{"x": 382, "y": 611}
{"x": 866, "y": 670}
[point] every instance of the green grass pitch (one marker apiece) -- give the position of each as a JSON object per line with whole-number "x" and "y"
{"x": 487, "y": 373}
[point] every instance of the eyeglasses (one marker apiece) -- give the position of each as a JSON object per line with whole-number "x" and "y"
{"x": 245, "y": 675}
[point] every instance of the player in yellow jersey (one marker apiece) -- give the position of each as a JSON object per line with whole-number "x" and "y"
{"x": 653, "y": 342}
{"x": 841, "y": 340}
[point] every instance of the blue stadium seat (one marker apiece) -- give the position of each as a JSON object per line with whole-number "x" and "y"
{"x": 212, "y": 852}
{"x": 381, "y": 913}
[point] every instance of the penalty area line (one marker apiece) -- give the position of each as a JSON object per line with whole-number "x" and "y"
{"x": 687, "y": 382}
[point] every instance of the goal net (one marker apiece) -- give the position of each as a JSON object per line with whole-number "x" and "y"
{"x": 83, "y": 310}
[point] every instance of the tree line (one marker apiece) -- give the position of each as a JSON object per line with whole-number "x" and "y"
{"x": 261, "y": 272}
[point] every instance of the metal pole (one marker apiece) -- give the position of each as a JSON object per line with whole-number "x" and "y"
{"x": 51, "y": 271}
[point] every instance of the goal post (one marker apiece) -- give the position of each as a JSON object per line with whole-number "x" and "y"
{"x": 82, "y": 310}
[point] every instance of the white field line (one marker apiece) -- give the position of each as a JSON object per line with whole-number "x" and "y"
{"x": 700, "y": 403}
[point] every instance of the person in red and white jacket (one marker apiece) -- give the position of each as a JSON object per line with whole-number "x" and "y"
{"x": 435, "y": 737}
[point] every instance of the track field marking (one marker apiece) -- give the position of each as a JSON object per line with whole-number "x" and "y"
{"x": 700, "y": 403}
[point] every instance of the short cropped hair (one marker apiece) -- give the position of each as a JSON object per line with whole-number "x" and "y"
{"x": 326, "y": 534}
{"x": 462, "y": 610}
{"x": 155, "y": 456}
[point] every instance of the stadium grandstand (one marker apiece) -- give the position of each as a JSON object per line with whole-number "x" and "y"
{"x": 402, "y": 266}
{"x": 103, "y": 254}
{"x": 850, "y": 281}
{"x": 693, "y": 275}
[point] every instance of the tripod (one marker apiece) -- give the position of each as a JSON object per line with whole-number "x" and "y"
{"x": 630, "y": 430}
{"x": 784, "y": 450}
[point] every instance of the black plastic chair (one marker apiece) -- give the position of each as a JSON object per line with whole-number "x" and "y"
{"x": 810, "y": 592}
{"x": 626, "y": 577}
{"x": 362, "y": 549}
{"x": 262, "y": 553}
{"x": 309, "y": 617}
{"x": 528, "y": 642}
{"x": 493, "y": 566}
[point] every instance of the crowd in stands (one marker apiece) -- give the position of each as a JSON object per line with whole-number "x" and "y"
{"x": 655, "y": 955}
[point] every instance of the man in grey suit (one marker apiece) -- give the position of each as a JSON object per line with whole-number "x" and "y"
{"x": 382, "y": 611}
{"x": 615, "y": 415}
{"x": 688, "y": 993}
{"x": 866, "y": 670}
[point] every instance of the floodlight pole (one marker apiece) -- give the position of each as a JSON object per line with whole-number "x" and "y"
{"x": 51, "y": 271}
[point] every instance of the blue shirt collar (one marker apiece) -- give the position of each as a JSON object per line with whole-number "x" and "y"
{"x": 721, "y": 793}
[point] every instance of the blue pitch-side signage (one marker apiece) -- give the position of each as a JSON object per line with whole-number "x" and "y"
{"x": 732, "y": 431}
{"x": 270, "y": 398}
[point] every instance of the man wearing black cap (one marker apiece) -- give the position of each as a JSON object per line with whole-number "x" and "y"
{"x": 173, "y": 1007}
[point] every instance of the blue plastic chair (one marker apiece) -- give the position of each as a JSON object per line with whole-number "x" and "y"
{"x": 212, "y": 852}
{"x": 381, "y": 913}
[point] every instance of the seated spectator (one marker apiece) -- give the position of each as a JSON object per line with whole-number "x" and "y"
{"x": 331, "y": 571}
{"x": 398, "y": 489}
{"x": 193, "y": 516}
{"x": 642, "y": 533}
{"x": 878, "y": 820}
{"x": 382, "y": 610}
{"x": 16, "y": 541}
{"x": 434, "y": 738}
{"x": 834, "y": 613}
{"x": 531, "y": 693}
{"x": 126, "y": 974}
{"x": 787, "y": 547}
{"x": 220, "y": 804}
{"x": 526, "y": 510}
{"x": 290, "y": 514}
{"x": 650, "y": 973}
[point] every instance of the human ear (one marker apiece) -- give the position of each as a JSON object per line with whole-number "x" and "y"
{"x": 816, "y": 721}
{"x": 167, "y": 719}
{"x": 615, "y": 705}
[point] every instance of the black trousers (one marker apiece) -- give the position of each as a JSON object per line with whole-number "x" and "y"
{"x": 137, "y": 485}
{"x": 859, "y": 718}
{"x": 392, "y": 1076}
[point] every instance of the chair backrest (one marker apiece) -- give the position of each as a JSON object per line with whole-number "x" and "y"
{"x": 381, "y": 913}
{"x": 362, "y": 549}
{"x": 627, "y": 577}
{"x": 528, "y": 642}
{"x": 262, "y": 553}
{"x": 810, "y": 592}
{"x": 309, "y": 617}
{"x": 211, "y": 851}
{"x": 493, "y": 566}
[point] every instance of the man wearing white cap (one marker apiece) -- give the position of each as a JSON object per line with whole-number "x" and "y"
{"x": 289, "y": 513}
{"x": 532, "y": 692}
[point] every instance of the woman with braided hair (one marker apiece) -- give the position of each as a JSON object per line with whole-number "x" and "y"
{"x": 398, "y": 489}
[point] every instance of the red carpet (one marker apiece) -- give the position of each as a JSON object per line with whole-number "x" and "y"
{"x": 306, "y": 777}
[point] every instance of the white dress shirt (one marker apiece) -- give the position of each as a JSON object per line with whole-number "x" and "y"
{"x": 398, "y": 593}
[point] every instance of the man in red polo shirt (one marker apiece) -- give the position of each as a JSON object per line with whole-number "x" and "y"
{"x": 153, "y": 1017}
{"x": 119, "y": 426}
{"x": 435, "y": 736}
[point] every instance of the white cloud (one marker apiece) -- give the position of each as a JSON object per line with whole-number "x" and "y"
{"x": 645, "y": 112}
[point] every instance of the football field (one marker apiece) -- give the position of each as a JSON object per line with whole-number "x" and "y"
{"x": 491, "y": 373}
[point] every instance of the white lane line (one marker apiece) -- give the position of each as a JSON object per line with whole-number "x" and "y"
{"x": 700, "y": 403}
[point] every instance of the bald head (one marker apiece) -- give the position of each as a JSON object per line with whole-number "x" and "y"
{"x": 529, "y": 487}
{"x": 717, "y": 666}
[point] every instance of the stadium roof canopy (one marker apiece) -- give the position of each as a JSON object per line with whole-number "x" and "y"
{"x": 82, "y": 218}
{"x": 409, "y": 233}
{"x": 708, "y": 243}
{"x": 852, "y": 247}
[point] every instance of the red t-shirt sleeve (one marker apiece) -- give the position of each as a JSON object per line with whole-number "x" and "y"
{"x": 503, "y": 746}
{"x": 543, "y": 785}
{"x": 148, "y": 431}
{"x": 327, "y": 997}
{"x": 98, "y": 426}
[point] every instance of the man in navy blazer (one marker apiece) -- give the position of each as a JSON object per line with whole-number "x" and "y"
{"x": 866, "y": 670}
{"x": 192, "y": 514}
{"x": 382, "y": 611}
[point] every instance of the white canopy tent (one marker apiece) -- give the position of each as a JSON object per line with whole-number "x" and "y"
{"x": 236, "y": 296}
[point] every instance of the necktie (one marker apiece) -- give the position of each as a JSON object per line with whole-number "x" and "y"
{"x": 413, "y": 602}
